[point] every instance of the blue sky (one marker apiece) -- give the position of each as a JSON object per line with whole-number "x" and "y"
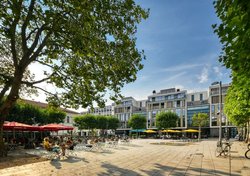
{"x": 181, "y": 49}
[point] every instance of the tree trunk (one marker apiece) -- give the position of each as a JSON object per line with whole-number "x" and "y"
{"x": 247, "y": 132}
{"x": 199, "y": 137}
{"x": 7, "y": 105}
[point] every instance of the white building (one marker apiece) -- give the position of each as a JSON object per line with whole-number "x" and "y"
{"x": 167, "y": 100}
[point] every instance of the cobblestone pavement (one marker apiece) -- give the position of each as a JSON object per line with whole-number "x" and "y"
{"x": 142, "y": 157}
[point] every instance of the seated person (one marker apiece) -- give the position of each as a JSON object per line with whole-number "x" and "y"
{"x": 63, "y": 148}
{"x": 51, "y": 147}
{"x": 70, "y": 144}
{"x": 46, "y": 144}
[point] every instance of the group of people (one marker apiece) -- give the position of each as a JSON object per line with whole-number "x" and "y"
{"x": 58, "y": 145}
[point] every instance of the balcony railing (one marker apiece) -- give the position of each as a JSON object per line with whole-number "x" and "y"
{"x": 196, "y": 103}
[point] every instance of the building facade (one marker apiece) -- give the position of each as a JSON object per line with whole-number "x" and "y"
{"x": 125, "y": 109}
{"x": 217, "y": 96}
{"x": 173, "y": 100}
{"x": 107, "y": 110}
{"x": 197, "y": 102}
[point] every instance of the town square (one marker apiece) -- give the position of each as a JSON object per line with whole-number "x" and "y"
{"x": 124, "y": 87}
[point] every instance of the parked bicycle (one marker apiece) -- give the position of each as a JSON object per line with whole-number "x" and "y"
{"x": 247, "y": 154}
{"x": 223, "y": 147}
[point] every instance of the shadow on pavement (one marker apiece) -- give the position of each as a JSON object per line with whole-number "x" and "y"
{"x": 56, "y": 164}
{"x": 161, "y": 170}
{"x": 121, "y": 148}
{"x": 133, "y": 145}
{"x": 114, "y": 170}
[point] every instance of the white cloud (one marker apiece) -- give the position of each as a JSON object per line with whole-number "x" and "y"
{"x": 143, "y": 78}
{"x": 218, "y": 71}
{"x": 173, "y": 77}
{"x": 204, "y": 75}
{"x": 180, "y": 67}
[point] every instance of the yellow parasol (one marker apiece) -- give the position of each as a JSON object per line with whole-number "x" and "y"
{"x": 191, "y": 131}
{"x": 170, "y": 131}
{"x": 150, "y": 131}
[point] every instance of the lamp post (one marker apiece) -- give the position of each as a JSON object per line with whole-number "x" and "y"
{"x": 220, "y": 115}
{"x": 220, "y": 111}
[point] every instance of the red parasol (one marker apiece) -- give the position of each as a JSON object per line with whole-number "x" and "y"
{"x": 20, "y": 126}
{"x": 56, "y": 127}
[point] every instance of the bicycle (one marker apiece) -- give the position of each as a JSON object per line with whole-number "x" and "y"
{"x": 247, "y": 154}
{"x": 223, "y": 148}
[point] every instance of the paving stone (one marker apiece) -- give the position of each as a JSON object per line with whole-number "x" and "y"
{"x": 143, "y": 158}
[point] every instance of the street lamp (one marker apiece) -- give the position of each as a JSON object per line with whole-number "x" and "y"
{"x": 220, "y": 112}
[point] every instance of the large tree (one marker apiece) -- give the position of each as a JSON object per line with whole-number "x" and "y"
{"x": 137, "y": 121}
{"x": 237, "y": 108}
{"x": 200, "y": 119}
{"x": 87, "y": 121}
{"x": 234, "y": 34}
{"x": 88, "y": 46}
{"x": 165, "y": 120}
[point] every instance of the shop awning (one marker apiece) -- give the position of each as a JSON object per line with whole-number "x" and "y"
{"x": 138, "y": 130}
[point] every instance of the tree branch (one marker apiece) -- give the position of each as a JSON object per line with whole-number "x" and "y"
{"x": 25, "y": 24}
{"x": 12, "y": 31}
{"x": 38, "y": 34}
{"x": 31, "y": 32}
{"x": 39, "y": 49}
{"x": 43, "y": 90}
{"x": 43, "y": 63}
{"x": 36, "y": 82}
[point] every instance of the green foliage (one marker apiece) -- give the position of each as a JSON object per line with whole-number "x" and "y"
{"x": 78, "y": 122}
{"x": 237, "y": 106}
{"x": 54, "y": 115}
{"x": 137, "y": 121}
{"x": 90, "y": 121}
{"x": 30, "y": 114}
{"x": 166, "y": 120}
{"x": 102, "y": 122}
{"x": 113, "y": 122}
{"x": 87, "y": 47}
{"x": 87, "y": 121}
{"x": 200, "y": 119}
{"x": 233, "y": 32}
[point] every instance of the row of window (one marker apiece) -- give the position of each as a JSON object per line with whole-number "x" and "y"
{"x": 201, "y": 97}
{"x": 167, "y": 97}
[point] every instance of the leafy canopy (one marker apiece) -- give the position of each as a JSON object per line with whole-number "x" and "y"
{"x": 200, "y": 119}
{"x": 234, "y": 34}
{"x": 30, "y": 114}
{"x": 137, "y": 121}
{"x": 90, "y": 121}
{"x": 237, "y": 107}
{"x": 87, "y": 47}
{"x": 166, "y": 120}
